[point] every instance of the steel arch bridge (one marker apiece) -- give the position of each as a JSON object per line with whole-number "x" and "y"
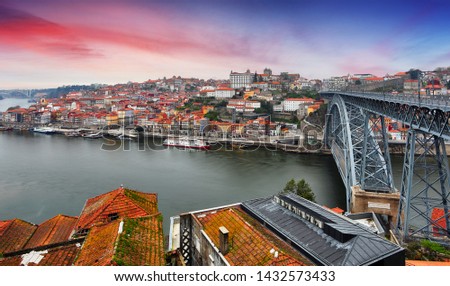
{"x": 357, "y": 137}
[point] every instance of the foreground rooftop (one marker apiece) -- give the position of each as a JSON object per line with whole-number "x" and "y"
{"x": 322, "y": 235}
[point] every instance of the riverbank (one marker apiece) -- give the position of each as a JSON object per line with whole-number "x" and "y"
{"x": 271, "y": 143}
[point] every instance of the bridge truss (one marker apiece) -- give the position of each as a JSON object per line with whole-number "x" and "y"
{"x": 357, "y": 136}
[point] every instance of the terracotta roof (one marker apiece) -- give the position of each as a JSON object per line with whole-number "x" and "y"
{"x": 4, "y": 226}
{"x": 139, "y": 243}
{"x": 337, "y": 210}
{"x": 120, "y": 203}
{"x": 142, "y": 242}
{"x": 375, "y": 78}
{"x": 438, "y": 218}
{"x": 14, "y": 234}
{"x": 248, "y": 245}
{"x": 54, "y": 230}
{"x": 55, "y": 256}
{"x": 426, "y": 263}
{"x": 98, "y": 248}
{"x": 300, "y": 99}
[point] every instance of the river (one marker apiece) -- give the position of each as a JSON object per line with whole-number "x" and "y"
{"x": 9, "y": 102}
{"x": 44, "y": 175}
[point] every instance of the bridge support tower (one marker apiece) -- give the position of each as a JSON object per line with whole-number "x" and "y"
{"x": 424, "y": 197}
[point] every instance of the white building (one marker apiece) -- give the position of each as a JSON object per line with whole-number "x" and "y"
{"x": 278, "y": 108}
{"x": 293, "y": 104}
{"x": 264, "y": 86}
{"x": 224, "y": 92}
{"x": 240, "y": 80}
{"x": 241, "y": 105}
{"x": 335, "y": 83}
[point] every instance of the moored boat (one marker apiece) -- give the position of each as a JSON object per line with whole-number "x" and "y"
{"x": 45, "y": 130}
{"x": 94, "y": 135}
{"x": 186, "y": 143}
{"x": 73, "y": 134}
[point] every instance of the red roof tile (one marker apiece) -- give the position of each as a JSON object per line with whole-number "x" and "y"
{"x": 120, "y": 203}
{"x": 248, "y": 245}
{"x": 4, "y": 226}
{"x": 139, "y": 243}
{"x": 56, "y": 256}
{"x": 15, "y": 234}
{"x": 54, "y": 230}
{"x": 426, "y": 263}
{"x": 98, "y": 248}
{"x": 438, "y": 218}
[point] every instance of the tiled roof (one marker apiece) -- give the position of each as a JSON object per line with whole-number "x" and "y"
{"x": 141, "y": 243}
{"x": 121, "y": 202}
{"x": 248, "y": 245}
{"x": 54, "y": 230}
{"x": 55, "y": 256}
{"x": 438, "y": 218}
{"x": 14, "y": 234}
{"x": 133, "y": 241}
{"x": 98, "y": 248}
{"x": 4, "y": 225}
{"x": 426, "y": 263}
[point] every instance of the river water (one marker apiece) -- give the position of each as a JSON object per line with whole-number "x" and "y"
{"x": 9, "y": 102}
{"x": 44, "y": 175}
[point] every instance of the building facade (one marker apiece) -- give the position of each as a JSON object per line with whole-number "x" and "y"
{"x": 241, "y": 80}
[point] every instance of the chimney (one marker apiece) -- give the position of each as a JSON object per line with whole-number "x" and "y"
{"x": 223, "y": 240}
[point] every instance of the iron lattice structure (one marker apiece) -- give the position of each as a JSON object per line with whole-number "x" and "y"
{"x": 430, "y": 115}
{"x": 425, "y": 188}
{"x": 360, "y": 159}
{"x": 356, "y": 134}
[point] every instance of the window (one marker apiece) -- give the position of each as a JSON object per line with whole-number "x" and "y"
{"x": 113, "y": 216}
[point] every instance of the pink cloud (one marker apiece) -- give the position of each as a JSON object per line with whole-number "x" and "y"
{"x": 24, "y": 31}
{"x": 31, "y": 33}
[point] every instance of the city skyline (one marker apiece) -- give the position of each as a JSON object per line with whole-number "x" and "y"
{"x": 53, "y": 43}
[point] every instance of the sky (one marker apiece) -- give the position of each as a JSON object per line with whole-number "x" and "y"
{"x": 49, "y": 43}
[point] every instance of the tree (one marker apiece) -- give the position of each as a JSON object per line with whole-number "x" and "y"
{"x": 212, "y": 115}
{"x": 448, "y": 84}
{"x": 290, "y": 187}
{"x": 304, "y": 191}
{"x": 414, "y": 73}
{"x": 13, "y": 107}
{"x": 301, "y": 188}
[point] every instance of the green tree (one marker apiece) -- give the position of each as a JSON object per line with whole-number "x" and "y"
{"x": 212, "y": 115}
{"x": 13, "y": 107}
{"x": 448, "y": 84}
{"x": 414, "y": 73}
{"x": 304, "y": 191}
{"x": 290, "y": 186}
{"x": 300, "y": 188}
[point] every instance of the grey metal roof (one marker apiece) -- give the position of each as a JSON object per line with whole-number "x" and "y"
{"x": 338, "y": 240}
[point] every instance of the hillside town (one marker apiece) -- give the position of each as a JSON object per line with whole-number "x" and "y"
{"x": 248, "y": 103}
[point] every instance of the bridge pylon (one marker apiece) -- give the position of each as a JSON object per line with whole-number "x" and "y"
{"x": 424, "y": 197}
